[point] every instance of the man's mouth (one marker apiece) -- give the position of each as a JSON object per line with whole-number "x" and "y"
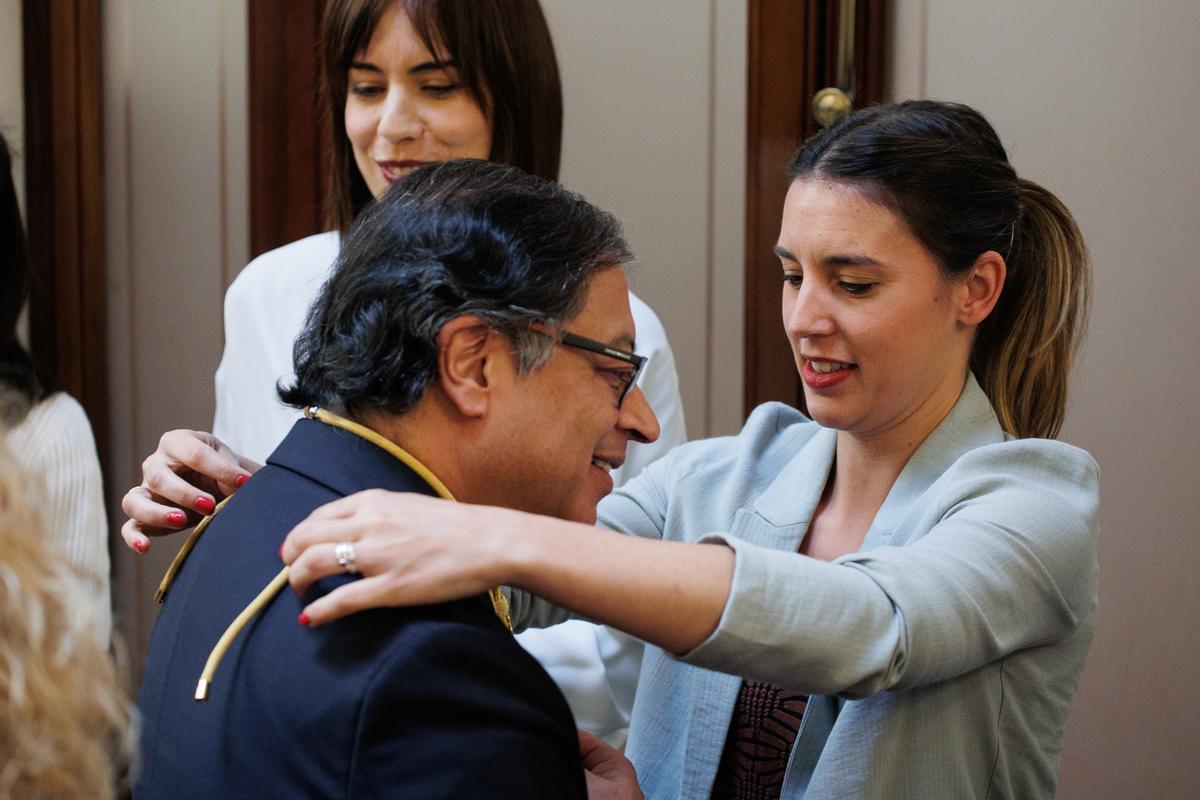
{"x": 602, "y": 464}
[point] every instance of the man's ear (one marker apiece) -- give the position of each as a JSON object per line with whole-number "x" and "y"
{"x": 470, "y": 353}
{"x": 981, "y": 288}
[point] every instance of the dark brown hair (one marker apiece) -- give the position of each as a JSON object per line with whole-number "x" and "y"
{"x": 505, "y": 58}
{"x": 942, "y": 169}
{"x": 18, "y": 370}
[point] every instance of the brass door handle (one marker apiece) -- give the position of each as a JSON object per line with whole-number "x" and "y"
{"x": 834, "y": 102}
{"x": 829, "y": 105}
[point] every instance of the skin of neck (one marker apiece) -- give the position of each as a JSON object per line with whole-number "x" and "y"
{"x": 444, "y": 444}
{"x": 866, "y": 466}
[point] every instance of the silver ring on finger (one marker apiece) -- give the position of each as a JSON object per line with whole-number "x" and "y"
{"x": 346, "y": 557}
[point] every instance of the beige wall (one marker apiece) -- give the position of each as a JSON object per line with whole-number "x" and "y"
{"x": 1098, "y": 102}
{"x": 175, "y": 217}
{"x": 12, "y": 104}
{"x": 655, "y": 132}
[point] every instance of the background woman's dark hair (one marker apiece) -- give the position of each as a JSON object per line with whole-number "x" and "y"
{"x": 942, "y": 169}
{"x": 463, "y": 237}
{"x": 505, "y": 58}
{"x": 25, "y": 381}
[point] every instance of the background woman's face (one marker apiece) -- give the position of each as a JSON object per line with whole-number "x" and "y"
{"x": 873, "y": 323}
{"x": 405, "y": 109}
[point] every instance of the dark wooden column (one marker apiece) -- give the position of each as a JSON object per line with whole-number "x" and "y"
{"x": 792, "y": 53}
{"x": 287, "y": 133}
{"x": 64, "y": 158}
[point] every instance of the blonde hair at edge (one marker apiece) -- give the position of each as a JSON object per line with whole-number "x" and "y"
{"x": 67, "y": 725}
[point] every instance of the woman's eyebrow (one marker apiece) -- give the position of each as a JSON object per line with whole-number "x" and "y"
{"x": 425, "y": 66}
{"x": 854, "y": 261}
{"x": 833, "y": 261}
{"x": 432, "y": 66}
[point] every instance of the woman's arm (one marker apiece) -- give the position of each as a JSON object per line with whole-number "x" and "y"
{"x": 999, "y": 557}
{"x": 413, "y": 549}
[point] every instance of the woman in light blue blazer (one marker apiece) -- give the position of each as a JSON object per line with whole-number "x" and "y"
{"x": 890, "y": 597}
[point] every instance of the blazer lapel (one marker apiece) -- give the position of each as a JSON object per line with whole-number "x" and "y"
{"x": 781, "y": 514}
{"x": 970, "y": 424}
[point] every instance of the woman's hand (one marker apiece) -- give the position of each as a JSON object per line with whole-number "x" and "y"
{"x": 610, "y": 775}
{"x": 411, "y": 549}
{"x": 182, "y": 481}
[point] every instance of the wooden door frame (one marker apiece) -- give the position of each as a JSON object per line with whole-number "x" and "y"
{"x": 288, "y": 178}
{"x": 64, "y": 200}
{"x": 792, "y": 53}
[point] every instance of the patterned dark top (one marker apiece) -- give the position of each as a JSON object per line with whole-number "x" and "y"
{"x": 765, "y": 722}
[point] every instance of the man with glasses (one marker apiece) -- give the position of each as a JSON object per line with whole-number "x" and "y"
{"x": 474, "y": 341}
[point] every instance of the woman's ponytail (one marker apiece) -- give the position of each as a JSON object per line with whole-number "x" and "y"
{"x": 1023, "y": 352}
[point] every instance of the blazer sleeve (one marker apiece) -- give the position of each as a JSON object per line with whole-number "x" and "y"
{"x": 1003, "y": 559}
{"x": 463, "y": 714}
{"x": 637, "y": 508}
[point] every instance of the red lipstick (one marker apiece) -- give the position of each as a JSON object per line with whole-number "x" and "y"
{"x": 824, "y": 380}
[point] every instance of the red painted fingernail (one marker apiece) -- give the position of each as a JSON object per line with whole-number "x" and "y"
{"x": 303, "y": 618}
{"x": 176, "y": 518}
{"x": 142, "y": 546}
{"x": 240, "y": 480}
{"x": 204, "y": 505}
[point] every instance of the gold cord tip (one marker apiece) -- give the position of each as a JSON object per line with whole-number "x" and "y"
{"x": 201, "y": 690}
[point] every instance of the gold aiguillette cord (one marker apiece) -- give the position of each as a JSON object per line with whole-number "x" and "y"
{"x": 499, "y": 601}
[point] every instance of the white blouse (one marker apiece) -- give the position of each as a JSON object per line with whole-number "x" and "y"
{"x": 54, "y": 445}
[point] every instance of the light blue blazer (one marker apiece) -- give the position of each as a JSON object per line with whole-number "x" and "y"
{"x": 941, "y": 658}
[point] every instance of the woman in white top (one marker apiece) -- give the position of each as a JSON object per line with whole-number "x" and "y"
{"x": 405, "y": 84}
{"x": 47, "y": 430}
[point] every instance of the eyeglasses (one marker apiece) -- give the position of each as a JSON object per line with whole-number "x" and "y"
{"x": 622, "y": 380}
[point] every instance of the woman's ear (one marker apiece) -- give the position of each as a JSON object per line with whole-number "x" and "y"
{"x": 469, "y": 354}
{"x": 981, "y": 288}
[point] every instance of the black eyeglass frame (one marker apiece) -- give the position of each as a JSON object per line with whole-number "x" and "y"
{"x": 593, "y": 346}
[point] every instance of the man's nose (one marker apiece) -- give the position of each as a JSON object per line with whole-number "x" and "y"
{"x": 637, "y": 419}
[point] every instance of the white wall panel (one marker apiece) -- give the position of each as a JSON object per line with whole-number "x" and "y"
{"x": 1099, "y": 102}
{"x": 175, "y": 188}
{"x": 654, "y": 132}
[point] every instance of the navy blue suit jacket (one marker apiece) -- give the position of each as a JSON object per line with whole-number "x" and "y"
{"x": 427, "y": 702}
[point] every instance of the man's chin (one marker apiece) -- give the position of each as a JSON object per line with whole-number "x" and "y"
{"x": 584, "y": 512}
{"x": 585, "y": 517}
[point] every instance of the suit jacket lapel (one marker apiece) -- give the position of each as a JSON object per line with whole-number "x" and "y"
{"x": 343, "y": 462}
